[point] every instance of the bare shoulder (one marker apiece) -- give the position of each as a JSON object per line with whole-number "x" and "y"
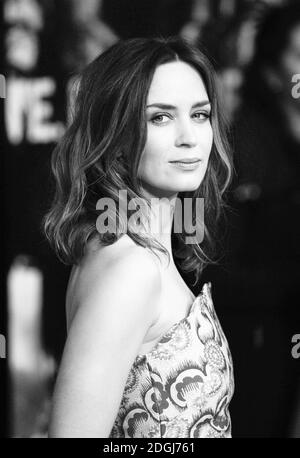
{"x": 108, "y": 273}
{"x": 118, "y": 289}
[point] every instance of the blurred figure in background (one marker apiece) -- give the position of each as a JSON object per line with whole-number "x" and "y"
{"x": 200, "y": 15}
{"x": 31, "y": 368}
{"x": 46, "y": 42}
{"x": 85, "y": 33}
{"x": 267, "y": 195}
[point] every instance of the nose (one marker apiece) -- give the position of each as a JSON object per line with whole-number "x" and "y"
{"x": 186, "y": 135}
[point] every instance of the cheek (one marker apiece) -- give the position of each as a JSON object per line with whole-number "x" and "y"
{"x": 155, "y": 150}
{"x": 152, "y": 159}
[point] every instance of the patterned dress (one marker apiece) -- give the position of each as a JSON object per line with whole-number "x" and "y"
{"x": 183, "y": 386}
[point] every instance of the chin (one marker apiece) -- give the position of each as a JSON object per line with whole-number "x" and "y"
{"x": 188, "y": 188}
{"x": 189, "y": 185}
{"x": 179, "y": 189}
{"x": 170, "y": 187}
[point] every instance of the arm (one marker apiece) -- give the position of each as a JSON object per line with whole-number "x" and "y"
{"x": 105, "y": 335}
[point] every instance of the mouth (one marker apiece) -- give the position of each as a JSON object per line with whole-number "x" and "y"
{"x": 186, "y": 164}
{"x": 192, "y": 160}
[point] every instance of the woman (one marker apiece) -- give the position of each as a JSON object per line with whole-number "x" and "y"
{"x": 143, "y": 357}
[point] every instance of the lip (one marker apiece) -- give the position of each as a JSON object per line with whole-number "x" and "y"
{"x": 186, "y": 160}
{"x": 186, "y": 165}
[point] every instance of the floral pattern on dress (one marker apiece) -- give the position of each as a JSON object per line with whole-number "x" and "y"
{"x": 176, "y": 340}
{"x": 181, "y": 388}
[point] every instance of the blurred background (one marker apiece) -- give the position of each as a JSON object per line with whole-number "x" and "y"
{"x": 255, "y": 46}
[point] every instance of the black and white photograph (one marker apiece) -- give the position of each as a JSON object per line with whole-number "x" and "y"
{"x": 150, "y": 231}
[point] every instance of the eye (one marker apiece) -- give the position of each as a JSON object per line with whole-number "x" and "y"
{"x": 158, "y": 119}
{"x": 202, "y": 115}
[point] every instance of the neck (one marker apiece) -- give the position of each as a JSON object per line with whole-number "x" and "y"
{"x": 160, "y": 221}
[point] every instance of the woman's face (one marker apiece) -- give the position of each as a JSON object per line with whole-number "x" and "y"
{"x": 179, "y": 132}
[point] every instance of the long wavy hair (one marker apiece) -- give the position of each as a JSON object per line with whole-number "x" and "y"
{"x": 100, "y": 152}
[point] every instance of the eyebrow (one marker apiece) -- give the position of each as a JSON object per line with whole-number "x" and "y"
{"x": 166, "y": 106}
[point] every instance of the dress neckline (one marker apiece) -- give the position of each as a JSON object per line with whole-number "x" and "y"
{"x": 203, "y": 292}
